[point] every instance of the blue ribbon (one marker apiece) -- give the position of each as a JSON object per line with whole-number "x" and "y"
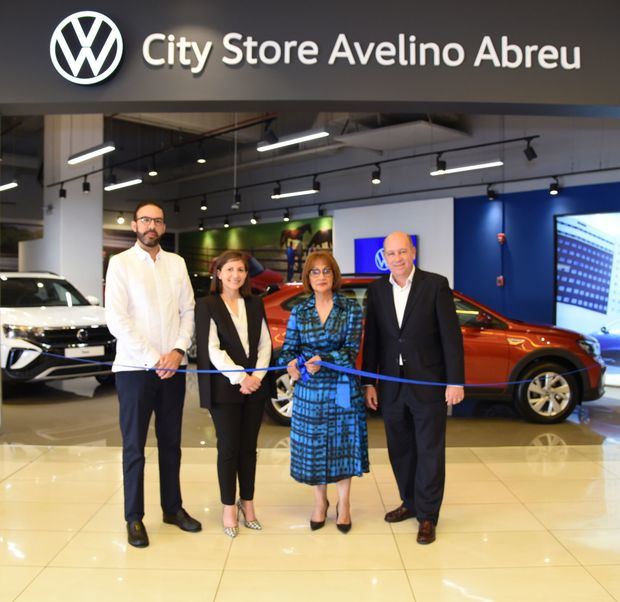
{"x": 342, "y": 369}
{"x": 301, "y": 366}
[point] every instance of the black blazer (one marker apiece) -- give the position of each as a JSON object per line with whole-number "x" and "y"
{"x": 216, "y": 387}
{"x": 429, "y": 340}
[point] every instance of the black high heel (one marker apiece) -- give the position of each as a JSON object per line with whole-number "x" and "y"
{"x": 342, "y": 527}
{"x": 317, "y": 524}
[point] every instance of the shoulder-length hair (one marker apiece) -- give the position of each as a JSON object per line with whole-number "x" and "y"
{"x": 329, "y": 259}
{"x": 221, "y": 261}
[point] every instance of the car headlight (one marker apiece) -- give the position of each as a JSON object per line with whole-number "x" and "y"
{"x": 590, "y": 345}
{"x": 11, "y": 331}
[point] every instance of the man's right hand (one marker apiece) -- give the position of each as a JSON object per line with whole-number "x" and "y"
{"x": 370, "y": 395}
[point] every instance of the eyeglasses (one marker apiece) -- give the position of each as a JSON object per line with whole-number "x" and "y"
{"x": 318, "y": 272}
{"x": 146, "y": 221}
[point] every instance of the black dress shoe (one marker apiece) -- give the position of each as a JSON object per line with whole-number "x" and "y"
{"x": 342, "y": 527}
{"x": 317, "y": 524}
{"x": 136, "y": 534}
{"x": 426, "y": 532}
{"x": 399, "y": 514}
{"x": 183, "y": 520}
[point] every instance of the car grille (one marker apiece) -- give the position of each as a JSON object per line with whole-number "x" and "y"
{"x": 91, "y": 335}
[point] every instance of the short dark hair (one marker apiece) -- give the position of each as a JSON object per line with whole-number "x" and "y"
{"x": 330, "y": 260}
{"x": 221, "y": 261}
{"x": 144, "y": 204}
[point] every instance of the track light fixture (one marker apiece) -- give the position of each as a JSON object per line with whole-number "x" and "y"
{"x": 8, "y": 186}
{"x": 491, "y": 194}
{"x": 226, "y": 223}
{"x": 440, "y": 164}
{"x": 203, "y": 203}
{"x": 321, "y": 211}
{"x": 85, "y": 186}
{"x": 316, "y": 185}
{"x": 120, "y": 220}
{"x": 554, "y": 187}
{"x": 237, "y": 201}
{"x": 254, "y": 219}
{"x": 287, "y": 216}
{"x": 62, "y": 193}
{"x": 91, "y": 153}
{"x": 269, "y": 136}
{"x": 376, "y": 175}
{"x": 529, "y": 152}
{"x": 153, "y": 170}
{"x": 201, "y": 155}
{"x": 201, "y": 226}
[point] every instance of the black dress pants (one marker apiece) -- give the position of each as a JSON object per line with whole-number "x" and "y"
{"x": 140, "y": 394}
{"x": 236, "y": 427}
{"x": 416, "y": 439}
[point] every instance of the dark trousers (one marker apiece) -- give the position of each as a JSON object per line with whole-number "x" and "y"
{"x": 416, "y": 438}
{"x": 236, "y": 427}
{"x": 140, "y": 394}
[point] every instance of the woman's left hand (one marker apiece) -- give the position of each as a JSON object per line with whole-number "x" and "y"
{"x": 311, "y": 366}
{"x": 250, "y": 384}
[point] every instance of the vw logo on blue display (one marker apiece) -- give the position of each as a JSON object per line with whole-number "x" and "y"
{"x": 380, "y": 261}
{"x": 86, "y": 48}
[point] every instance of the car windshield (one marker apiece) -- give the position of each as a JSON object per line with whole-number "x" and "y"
{"x": 256, "y": 267}
{"x": 39, "y": 292}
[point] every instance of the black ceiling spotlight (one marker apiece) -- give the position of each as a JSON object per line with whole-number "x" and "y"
{"x": 277, "y": 191}
{"x": 491, "y": 194}
{"x": 62, "y": 193}
{"x": 440, "y": 164}
{"x": 376, "y": 175}
{"x": 237, "y": 200}
{"x": 203, "y": 203}
{"x": 529, "y": 152}
{"x": 176, "y": 207}
{"x": 201, "y": 155}
{"x": 554, "y": 187}
{"x": 85, "y": 186}
{"x": 120, "y": 219}
{"x": 287, "y": 216}
{"x": 226, "y": 223}
{"x": 201, "y": 226}
{"x": 321, "y": 211}
{"x": 254, "y": 219}
{"x": 153, "y": 169}
{"x": 316, "y": 185}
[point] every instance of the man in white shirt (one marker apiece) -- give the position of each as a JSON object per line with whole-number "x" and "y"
{"x": 150, "y": 310}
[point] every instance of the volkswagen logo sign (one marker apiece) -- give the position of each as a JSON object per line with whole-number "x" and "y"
{"x": 86, "y": 47}
{"x": 380, "y": 260}
{"x": 82, "y": 335}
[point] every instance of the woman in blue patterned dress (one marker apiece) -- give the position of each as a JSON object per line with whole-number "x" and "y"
{"x": 329, "y": 440}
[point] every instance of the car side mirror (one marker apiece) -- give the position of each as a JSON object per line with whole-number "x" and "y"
{"x": 93, "y": 300}
{"x": 604, "y": 330}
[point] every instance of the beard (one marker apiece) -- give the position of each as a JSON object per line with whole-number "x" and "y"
{"x": 148, "y": 241}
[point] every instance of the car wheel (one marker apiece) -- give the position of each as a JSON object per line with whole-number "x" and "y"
{"x": 106, "y": 379}
{"x": 550, "y": 395}
{"x": 280, "y": 408}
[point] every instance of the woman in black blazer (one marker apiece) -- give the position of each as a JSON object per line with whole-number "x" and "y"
{"x": 232, "y": 334}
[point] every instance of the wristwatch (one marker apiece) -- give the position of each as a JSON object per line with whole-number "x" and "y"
{"x": 179, "y": 351}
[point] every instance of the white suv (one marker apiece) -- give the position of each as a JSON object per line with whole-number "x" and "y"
{"x": 46, "y": 324}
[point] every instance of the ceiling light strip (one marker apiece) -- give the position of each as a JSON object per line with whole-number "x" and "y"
{"x": 285, "y": 195}
{"x": 91, "y": 153}
{"x": 443, "y": 172}
{"x": 297, "y": 139}
{"x": 124, "y": 184}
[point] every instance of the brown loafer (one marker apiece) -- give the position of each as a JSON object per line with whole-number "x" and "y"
{"x": 426, "y": 532}
{"x": 399, "y": 514}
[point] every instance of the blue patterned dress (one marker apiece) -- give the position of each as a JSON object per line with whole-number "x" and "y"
{"x": 328, "y": 442}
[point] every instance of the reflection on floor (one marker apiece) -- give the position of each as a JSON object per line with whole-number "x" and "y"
{"x": 81, "y": 412}
{"x": 539, "y": 522}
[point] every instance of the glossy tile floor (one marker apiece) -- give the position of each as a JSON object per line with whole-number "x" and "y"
{"x": 535, "y": 519}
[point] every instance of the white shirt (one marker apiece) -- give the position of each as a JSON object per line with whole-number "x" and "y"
{"x": 222, "y": 361}
{"x": 149, "y": 307}
{"x": 401, "y": 294}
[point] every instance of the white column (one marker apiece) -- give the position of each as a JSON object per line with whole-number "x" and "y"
{"x": 72, "y": 243}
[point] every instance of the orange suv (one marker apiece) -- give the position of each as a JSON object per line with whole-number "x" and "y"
{"x": 543, "y": 370}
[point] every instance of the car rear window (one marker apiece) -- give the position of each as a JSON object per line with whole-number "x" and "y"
{"x": 39, "y": 292}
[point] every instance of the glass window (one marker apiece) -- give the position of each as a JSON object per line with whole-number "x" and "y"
{"x": 471, "y": 315}
{"x": 39, "y": 292}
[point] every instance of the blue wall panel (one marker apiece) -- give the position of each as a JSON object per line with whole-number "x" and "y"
{"x": 527, "y": 258}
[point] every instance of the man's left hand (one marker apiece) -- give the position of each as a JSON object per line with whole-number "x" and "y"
{"x": 168, "y": 364}
{"x": 454, "y": 395}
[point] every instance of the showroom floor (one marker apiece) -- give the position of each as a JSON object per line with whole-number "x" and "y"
{"x": 531, "y": 512}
